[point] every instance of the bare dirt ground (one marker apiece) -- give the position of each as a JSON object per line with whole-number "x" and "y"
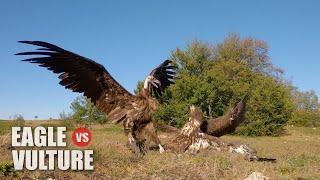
{"x": 297, "y": 153}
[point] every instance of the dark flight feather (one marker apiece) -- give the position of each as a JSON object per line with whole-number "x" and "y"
{"x": 164, "y": 73}
{"x": 79, "y": 74}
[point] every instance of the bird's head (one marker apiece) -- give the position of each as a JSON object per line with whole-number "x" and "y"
{"x": 196, "y": 113}
{"x": 192, "y": 107}
{"x": 239, "y": 110}
{"x": 151, "y": 80}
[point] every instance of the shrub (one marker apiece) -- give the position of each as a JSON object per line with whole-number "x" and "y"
{"x": 68, "y": 123}
{"x": 7, "y": 169}
{"x": 306, "y": 111}
{"x": 216, "y": 77}
{"x": 84, "y": 112}
{"x": 305, "y": 118}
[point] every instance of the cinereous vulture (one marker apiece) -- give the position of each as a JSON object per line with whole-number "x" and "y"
{"x": 86, "y": 76}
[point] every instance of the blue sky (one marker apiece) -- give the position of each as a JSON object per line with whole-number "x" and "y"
{"x": 131, "y": 37}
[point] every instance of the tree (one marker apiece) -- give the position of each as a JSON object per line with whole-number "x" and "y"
{"x": 216, "y": 77}
{"x": 307, "y": 101}
{"x": 307, "y": 106}
{"x": 253, "y": 51}
{"x": 84, "y": 111}
{"x": 64, "y": 116}
{"x": 139, "y": 87}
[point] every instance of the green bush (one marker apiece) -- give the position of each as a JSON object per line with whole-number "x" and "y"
{"x": 7, "y": 169}
{"x": 305, "y": 118}
{"x": 69, "y": 123}
{"x": 216, "y": 77}
{"x": 306, "y": 111}
{"x": 84, "y": 112}
{"x": 269, "y": 108}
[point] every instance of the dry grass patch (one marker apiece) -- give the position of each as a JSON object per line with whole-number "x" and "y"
{"x": 297, "y": 153}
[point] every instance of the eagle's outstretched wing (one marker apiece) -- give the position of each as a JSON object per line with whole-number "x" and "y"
{"x": 80, "y": 74}
{"x": 162, "y": 77}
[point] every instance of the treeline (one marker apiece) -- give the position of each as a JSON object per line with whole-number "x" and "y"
{"x": 84, "y": 112}
{"x": 216, "y": 76}
{"x": 306, "y": 112}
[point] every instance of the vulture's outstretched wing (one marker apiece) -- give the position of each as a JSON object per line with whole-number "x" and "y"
{"x": 162, "y": 77}
{"x": 80, "y": 74}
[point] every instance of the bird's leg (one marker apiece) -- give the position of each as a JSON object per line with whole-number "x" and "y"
{"x": 133, "y": 143}
{"x": 161, "y": 149}
{"x": 139, "y": 138}
{"x": 142, "y": 147}
{"x": 129, "y": 130}
{"x": 152, "y": 132}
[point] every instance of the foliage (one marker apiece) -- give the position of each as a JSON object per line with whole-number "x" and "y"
{"x": 307, "y": 101}
{"x": 253, "y": 51}
{"x": 216, "y": 77}
{"x": 84, "y": 111}
{"x": 5, "y": 127}
{"x": 64, "y": 116}
{"x": 68, "y": 123}
{"x": 7, "y": 169}
{"x": 269, "y": 108}
{"x": 305, "y": 118}
{"x": 306, "y": 111}
{"x": 139, "y": 87}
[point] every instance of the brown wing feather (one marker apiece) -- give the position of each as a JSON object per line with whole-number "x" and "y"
{"x": 80, "y": 74}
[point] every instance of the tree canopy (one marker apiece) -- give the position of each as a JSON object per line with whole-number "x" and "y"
{"x": 215, "y": 77}
{"x": 307, "y": 106}
{"x": 84, "y": 111}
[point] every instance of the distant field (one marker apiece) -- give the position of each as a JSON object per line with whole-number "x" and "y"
{"x": 297, "y": 153}
{"x": 5, "y": 127}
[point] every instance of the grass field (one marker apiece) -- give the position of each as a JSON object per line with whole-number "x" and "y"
{"x": 297, "y": 153}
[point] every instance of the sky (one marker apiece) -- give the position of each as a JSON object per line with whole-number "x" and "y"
{"x": 131, "y": 37}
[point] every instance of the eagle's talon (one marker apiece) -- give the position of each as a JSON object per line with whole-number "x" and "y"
{"x": 142, "y": 147}
{"x": 161, "y": 149}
